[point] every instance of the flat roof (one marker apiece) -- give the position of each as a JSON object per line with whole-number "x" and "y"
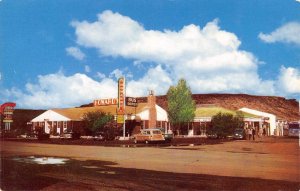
{"x": 211, "y": 111}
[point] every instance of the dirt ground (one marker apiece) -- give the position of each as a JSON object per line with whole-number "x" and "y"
{"x": 265, "y": 164}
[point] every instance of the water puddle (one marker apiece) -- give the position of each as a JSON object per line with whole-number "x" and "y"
{"x": 41, "y": 160}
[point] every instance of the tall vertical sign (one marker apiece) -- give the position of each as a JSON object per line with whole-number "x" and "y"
{"x": 7, "y": 110}
{"x": 121, "y": 103}
{"x": 121, "y": 96}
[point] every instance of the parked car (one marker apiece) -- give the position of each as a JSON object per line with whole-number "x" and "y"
{"x": 212, "y": 135}
{"x": 149, "y": 135}
{"x": 168, "y": 136}
{"x": 294, "y": 129}
{"x": 239, "y": 133}
{"x": 70, "y": 135}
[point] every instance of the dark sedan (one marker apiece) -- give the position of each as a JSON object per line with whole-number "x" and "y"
{"x": 239, "y": 133}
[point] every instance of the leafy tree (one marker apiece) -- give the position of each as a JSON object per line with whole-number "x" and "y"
{"x": 181, "y": 107}
{"x": 97, "y": 121}
{"x": 223, "y": 124}
{"x": 111, "y": 130}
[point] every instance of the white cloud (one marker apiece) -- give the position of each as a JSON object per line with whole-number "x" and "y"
{"x": 117, "y": 73}
{"x": 87, "y": 69}
{"x": 75, "y": 52}
{"x": 298, "y": 1}
{"x": 58, "y": 90}
{"x": 289, "y": 80}
{"x": 288, "y": 33}
{"x": 202, "y": 56}
{"x": 155, "y": 79}
{"x": 100, "y": 75}
{"x": 208, "y": 58}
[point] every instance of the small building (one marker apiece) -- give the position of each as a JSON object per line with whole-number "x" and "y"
{"x": 269, "y": 121}
{"x": 204, "y": 114}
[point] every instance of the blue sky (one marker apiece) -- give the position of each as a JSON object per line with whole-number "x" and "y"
{"x": 67, "y": 53}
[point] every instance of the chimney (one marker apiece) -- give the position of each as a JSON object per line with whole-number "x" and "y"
{"x": 152, "y": 110}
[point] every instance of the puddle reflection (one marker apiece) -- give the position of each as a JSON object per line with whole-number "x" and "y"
{"x": 41, "y": 160}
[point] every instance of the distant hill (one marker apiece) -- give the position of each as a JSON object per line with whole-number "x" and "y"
{"x": 287, "y": 109}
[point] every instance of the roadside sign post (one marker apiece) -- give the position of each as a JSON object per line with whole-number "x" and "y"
{"x": 7, "y": 110}
{"x": 121, "y": 104}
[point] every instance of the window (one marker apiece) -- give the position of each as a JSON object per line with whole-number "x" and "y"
{"x": 65, "y": 124}
{"x": 156, "y": 132}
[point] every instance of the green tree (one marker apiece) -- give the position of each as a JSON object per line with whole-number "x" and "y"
{"x": 181, "y": 107}
{"x": 223, "y": 124}
{"x": 97, "y": 121}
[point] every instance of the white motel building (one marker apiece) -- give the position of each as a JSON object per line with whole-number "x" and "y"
{"x": 150, "y": 115}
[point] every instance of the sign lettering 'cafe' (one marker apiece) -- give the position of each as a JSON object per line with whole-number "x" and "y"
{"x": 103, "y": 102}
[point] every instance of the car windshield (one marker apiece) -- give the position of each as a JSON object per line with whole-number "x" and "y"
{"x": 146, "y": 132}
{"x": 156, "y": 132}
{"x": 238, "y": 130}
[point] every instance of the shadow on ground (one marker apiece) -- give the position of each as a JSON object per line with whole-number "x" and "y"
{"x": 17, "y": 174}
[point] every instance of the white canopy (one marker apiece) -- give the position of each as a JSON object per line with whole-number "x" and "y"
{"x": 271, "y": 117}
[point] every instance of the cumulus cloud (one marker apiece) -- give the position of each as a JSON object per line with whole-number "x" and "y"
{"x": 289, "y": 80}
{"x": 207, "y": 57}
{"x": 100, "y": 75}
{"x": 58, "y": 90}
{"x": 75, "y": 52}
{"x": 155, "y": 79}
{"x": 117, "y": 73}
{"x": 288, "y": 33}
{"x": 87, "y": 69}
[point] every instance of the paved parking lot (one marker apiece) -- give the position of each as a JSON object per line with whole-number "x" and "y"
{"x": 260, "y": 161}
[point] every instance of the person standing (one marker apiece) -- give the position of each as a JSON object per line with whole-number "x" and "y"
{"x": 253, "y": 133}
{"x": 249, "y": 131}
{"x": 260, "y": 132}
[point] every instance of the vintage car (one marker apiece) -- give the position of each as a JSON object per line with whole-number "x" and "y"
{"x": 149, "y": 135}
{"x": 239, "y": 133}
{"x": 70, "y": 135}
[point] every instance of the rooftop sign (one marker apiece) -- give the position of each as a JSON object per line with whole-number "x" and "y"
{"x": 131, "y": 101}
{"x": 103, "y": 102}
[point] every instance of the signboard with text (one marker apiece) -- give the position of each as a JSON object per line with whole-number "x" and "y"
{"x": 6, "y": 110}
{"x": 131, "y": 101}
{"x": 103, "y": 102}
{"x": 121, "y": 96}
{"x": 120, "y": 118}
